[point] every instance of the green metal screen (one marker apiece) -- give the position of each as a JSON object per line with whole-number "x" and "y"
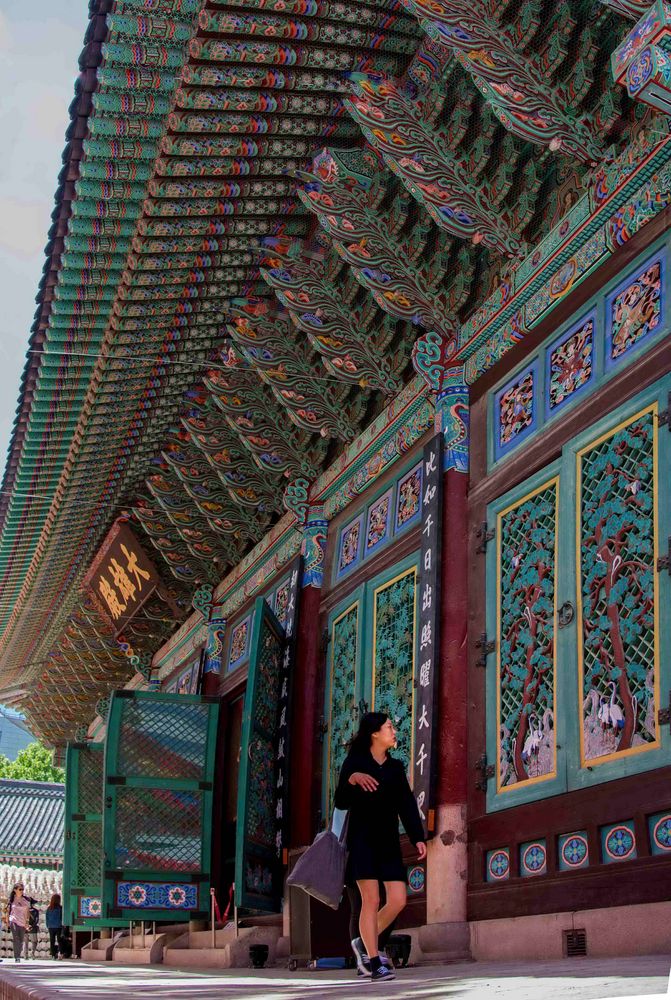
{"x": 82, "y": 849}
{"x": 258, "y": 870}
{"x": 159, "y": 768}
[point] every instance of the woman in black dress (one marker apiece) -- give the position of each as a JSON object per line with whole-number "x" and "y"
{"x": 374, "y": 788}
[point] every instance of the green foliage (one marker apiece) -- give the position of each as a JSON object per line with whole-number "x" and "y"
{"x": 33, "y": 763}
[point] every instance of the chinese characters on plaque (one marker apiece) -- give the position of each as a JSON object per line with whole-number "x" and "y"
{"x": 428, "y": 628}
{"x": 282, "y": 729}
{"x": 121, "y": 577}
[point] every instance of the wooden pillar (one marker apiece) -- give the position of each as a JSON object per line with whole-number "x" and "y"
{"x": 447, "y": 930}
{"x": 304, "y": 788}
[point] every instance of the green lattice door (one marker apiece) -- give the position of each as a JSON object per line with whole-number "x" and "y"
{"x": 392, "y": 598}
{"x": 579, "y": 610}
{"x": 157, "y": 823}
{"x": 620, "y": 472}
{"x": 371, "y": 665}
{"x": 344, "y": 689}
{"x": 82, "y": 846}
{"x": 258, "y": 863}
{"x": 524, "y": 733}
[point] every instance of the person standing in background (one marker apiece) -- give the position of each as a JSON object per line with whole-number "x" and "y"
{"x": 33, "y": 929}
{"x": 54, "y": 919}
{"x": 19, "y": 917}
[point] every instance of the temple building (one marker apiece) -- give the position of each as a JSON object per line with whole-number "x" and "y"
{"x": 349, "y": 388}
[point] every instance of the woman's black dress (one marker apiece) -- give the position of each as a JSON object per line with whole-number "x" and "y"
{"x": 372, "y": 836}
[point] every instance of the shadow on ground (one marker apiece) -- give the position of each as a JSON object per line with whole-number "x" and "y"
{"x": 576, "y": 979}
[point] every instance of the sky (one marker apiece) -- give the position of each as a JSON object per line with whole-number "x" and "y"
{"x": 40, "y": 42}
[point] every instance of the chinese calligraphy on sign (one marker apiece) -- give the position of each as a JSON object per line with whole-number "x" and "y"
{"x": 282, "y": 758}
{"x": 429, "y": 609}
{"x": 121, "y": 577}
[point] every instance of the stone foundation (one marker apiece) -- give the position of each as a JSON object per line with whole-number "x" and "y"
{"x": 610, "y": 932}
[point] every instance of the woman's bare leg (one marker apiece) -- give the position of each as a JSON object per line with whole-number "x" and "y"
{"x": 370, "y": 904}
{"x": 396, "y": 900}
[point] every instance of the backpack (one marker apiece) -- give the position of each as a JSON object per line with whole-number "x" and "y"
{"x": 33, "y": 920}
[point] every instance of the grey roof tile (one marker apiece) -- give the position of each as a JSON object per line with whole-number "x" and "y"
{"x": 31, "y": 817}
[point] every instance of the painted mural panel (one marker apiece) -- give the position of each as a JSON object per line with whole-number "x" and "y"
{"x": 350, "y": 545}
{"x": 570, "y": 364}
{"x": 394, "y": 656}
{"x": 526, "y": 602}
{"x": 239, "y": 647}
{"x": 516, "y": 410}
{"x": 617, "y": 605}
{"x": 344, "y": 641}
{"x": 634, "y": 311}
{"x": 409, "y": 498}
{"x": 378, "y": 522}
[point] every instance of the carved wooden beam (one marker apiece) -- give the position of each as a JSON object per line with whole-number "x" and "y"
{"x": 515, "y": 84}
{"x": 346, "y": 200}
{"x": 419, "y": 154}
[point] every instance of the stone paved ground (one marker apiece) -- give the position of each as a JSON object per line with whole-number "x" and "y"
{"x": 575, "y": 979}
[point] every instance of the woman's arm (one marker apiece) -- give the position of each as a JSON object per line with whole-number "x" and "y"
{"x": 343, "y": 795}
{"x": 352, "y": 774}
{"x": 408, "y": 809}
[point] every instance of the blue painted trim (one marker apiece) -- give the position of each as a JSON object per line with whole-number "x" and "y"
{"x": 604, "y": 369}
{"x": 641, "y": 344}
{"x": 233, "y": 664}
{"x": 503, "y": 448}
{"x": 344, "y": 570}
{"x": 399, "y": 529}
{"x": 550, "y": 411}
{"x": 389, "y": 497}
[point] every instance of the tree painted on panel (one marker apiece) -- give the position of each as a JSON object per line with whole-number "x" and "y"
{"x": 394, "y": 660}
{"x": 526, "y": 623}
{"x": 344, "y": 640}
{"x": 618, "y": 589}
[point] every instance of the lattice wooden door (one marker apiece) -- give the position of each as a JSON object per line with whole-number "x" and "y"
{"x": 578, "y": 592}
{"x": 258, "y": 858}
{"x": 82, "y": 848}
{"x": 159, "y": 768}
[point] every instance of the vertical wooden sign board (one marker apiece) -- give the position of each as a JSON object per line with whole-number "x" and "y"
{"x": 428, "y": 632}
{"x": 285, "y": 701}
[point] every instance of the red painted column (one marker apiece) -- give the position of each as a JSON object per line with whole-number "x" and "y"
{"x": 304, "y": 747}
{"x": 303, "y": 750}
{"x": 447, "y": 931}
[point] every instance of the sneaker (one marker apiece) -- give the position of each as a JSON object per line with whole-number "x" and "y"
{"x": 364, "y": 969}
{"x": 382, "y": 974}
{"x": 362, "y": 962}
{"x": 384, "y": 958}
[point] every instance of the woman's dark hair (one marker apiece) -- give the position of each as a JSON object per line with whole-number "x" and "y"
{"x": 54, "y": 901}
{"x": 371, "y": 722}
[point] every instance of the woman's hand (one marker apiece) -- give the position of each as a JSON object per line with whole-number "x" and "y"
{"x": 421, "y": 850}
{"x": 363, "y": 780}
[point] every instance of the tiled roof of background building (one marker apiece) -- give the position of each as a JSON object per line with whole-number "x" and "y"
{"x": 31, "y": 819}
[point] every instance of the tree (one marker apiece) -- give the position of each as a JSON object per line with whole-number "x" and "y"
{"x": 618, "y": 571}
{"x": 33, "y": 763}
{"x": 527, "y": 627}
